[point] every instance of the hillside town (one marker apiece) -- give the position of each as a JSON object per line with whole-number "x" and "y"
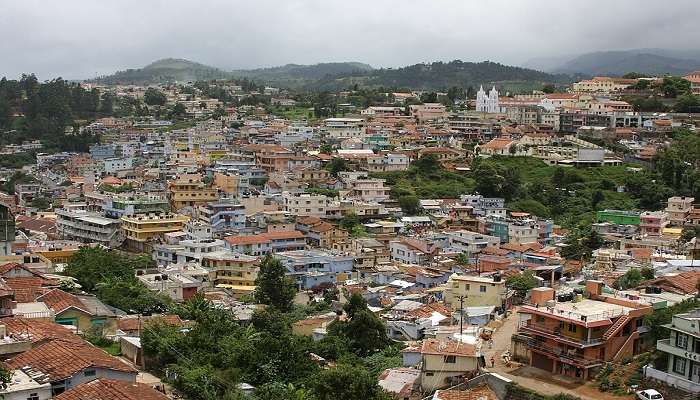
{"x": 453, "y": 245}
{"x": 447, "y": 230}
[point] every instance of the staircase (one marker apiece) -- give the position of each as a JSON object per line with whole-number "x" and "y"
{"x": 629, "y": 340}
{"x": 616, "y": 327}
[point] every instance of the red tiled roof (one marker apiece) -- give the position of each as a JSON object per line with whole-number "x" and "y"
{"x": 109, "y": 389}
{"x": 243, "y": 240}
{"x": 481, "y": 392}
{"x": 134, "y": 323}
{"x": 427, "y": 310}
{"x": 61, "y": 359}
{"x": 447, "y": 347}
{"x": 39, "y": 330}
{"x": 683, "y": 283}
{"x": 58, "y": 301}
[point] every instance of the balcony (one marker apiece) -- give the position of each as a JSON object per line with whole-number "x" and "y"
{"x": 666, "y": 346}
{"x": 555, "y": 334}
{"x": 564, "y": 356}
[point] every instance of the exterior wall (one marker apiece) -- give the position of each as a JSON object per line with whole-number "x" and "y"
{"x": 84, "y": 322}
{"x": 477, "y": 293}
{"x": 435, "y": 371}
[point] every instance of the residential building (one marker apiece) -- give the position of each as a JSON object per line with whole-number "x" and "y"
{"x": 119, "y": 205}
{"x": 471, "y": 242}
{"x": 312, "y": 268}
{"x": 412, "y": 251}
{"x": 678, "y": 209}
{"x": 88, "y": 227}
{"x": 343, "y": 128}
{"x": 305, "y": 204}
{"x": 429, "y": 112}
{"x": 652, "y": 223}
{"x": 445, "y": 363}
{"x": 179, "y": 287}
{"x": 111, "y": 389}
{"x": 233, "y": 271}
{"x": 602, "y": 84}
{"x": 7, "y": 230}
{"x": 141, "y": 230}
{"x": 619, "y": 217}
{"x": 223, "y": 216}
{"x": 576, "y": 335}
{"x": 694, "y": 79}
{"x": 83, "y": 312}
{"x": 190, "y": 190}
{"x": 682, "y": 350}
{"x": 476, "y": 291}
{"x": 388, "y": 162}
{"x": 22, "y": 386}
{"x": 369, "y": 190}
{"x": 266, "y": 243}
{"x": 65, "y": 364}
{"x": 114, "y": 165}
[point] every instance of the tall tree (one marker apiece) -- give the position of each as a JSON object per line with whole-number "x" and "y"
{"x": 274, "y": 288}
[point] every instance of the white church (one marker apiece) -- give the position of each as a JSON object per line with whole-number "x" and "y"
{"x": 487, "y": 103}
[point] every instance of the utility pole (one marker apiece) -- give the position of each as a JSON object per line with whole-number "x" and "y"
{"x": 461, "y": 315}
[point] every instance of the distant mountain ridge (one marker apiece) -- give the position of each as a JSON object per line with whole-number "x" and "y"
{"x": 619, "y": 62}
{"x": 341, "y": 75}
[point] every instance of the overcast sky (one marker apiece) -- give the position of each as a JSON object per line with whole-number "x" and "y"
{"x": 85, "y": 38}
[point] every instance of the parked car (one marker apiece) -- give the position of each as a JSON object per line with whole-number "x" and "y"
{"x": 649, "y": 394}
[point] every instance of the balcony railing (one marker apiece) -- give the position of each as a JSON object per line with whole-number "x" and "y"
{"x": 564, "y": 356}
{"x": 556, "y": 334}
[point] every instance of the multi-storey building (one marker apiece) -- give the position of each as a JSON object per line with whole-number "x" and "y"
{"x": 7, "y": 230}
{"x": 88, "y": 227}
{"x": 678, "y": 209}
{"x": 369, "y": 190}
{"x": 343, "y": 128}
{"x": 306, "y": 204}
{"x": 312, "y": 268}
{"x": 472, "y": 242}
{"x": 388, "y": 162}
{"x": 682, "y": 350}
{"x": 652, "y": 223}
{"x": 233, "y": 271}
{"x": 266, "y": 243}
{"x": 190, "y": 191}
{"x": 141, "y": 230}
{"x": 476, "y": 291}
{"x": 223, "y": 216}
{"x": 577, "y": 335}
{"x": 694, "y": 79}
{"x": 117, "y": 206}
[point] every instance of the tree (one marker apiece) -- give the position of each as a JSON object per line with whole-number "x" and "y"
{"x": 673, "y": 86}
{"x": 462, "y": 259}
{"x": 347, "y": 382}
{"x": 409, "y": 204}
{"x": 597, "y": 197}
{"x": 154, "y": 97}
{"x": 630, "y": 279}
{"x": 549, "y": 88}
{"x": 273, "y": 287}
{"x": 427, "y": 164}
{"x": 5, "y": 378}
{"x": 522, "y": 282}
{"x": 687, "y": 103}
{"x": 336, "y": 165}
{"x": 326, "y": 149}
{"x": 93, "y": 265}
{"x": 364, "y": 332}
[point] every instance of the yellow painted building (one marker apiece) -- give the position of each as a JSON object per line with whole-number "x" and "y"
{"x": 477, "y": 291}
{"x": 139, "y": 230}
{"x": 190, "y": 190}
{"x": 233, "y": 271}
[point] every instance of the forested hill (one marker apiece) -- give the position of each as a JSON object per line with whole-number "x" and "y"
{"x": 164, "y": 71}
{"x": 442, "y": 75}
{"x": 342, "y": 75}
{"x": 31, "y": 110}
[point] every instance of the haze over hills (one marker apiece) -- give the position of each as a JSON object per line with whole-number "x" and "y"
{"x": 648, "y": 61}
{"x": 334, "y": 76}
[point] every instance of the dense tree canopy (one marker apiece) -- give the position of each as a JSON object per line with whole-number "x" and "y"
{"x": 273, "y": 287}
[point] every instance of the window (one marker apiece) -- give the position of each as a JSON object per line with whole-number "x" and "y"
{"x": 681, "y": 340}
{"x": 482, "y": 288}
{"x": 429, "y": 374}
{"x": 679, "y": 365}
{"x": 540, "y": 319}
{"x": 449, "y": 359}
{"x": 571, "y": 328}
{"x": 90, "y": 372}
{"x": 467, "y": 287}
{"x": 33, "y": 396}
